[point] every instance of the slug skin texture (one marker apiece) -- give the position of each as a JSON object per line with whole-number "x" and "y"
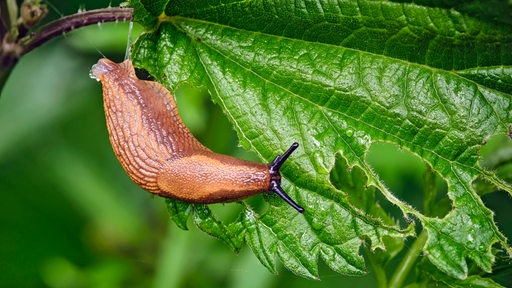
{"x": 159, "y": 153}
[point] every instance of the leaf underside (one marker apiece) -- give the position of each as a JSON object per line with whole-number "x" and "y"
{"x": 337, "y": 76}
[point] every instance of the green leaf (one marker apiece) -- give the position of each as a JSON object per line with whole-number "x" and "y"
{"x": 203, "y": 218}
{"x": 141, "y": 15}
{"x": 429, "y": 274}
{"x": 496, "y": 156}
{"x": 179, "y": 212}
{"x": 499, "y": 78}
{"x": 154, "y": 7}
{"x": 337, "y": 76}
{"x": 231, "y": 234}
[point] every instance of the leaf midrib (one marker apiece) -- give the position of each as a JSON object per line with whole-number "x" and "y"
{"x": 323, "y": 109}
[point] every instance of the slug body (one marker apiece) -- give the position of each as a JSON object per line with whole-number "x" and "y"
{"x": 161, "y": 155}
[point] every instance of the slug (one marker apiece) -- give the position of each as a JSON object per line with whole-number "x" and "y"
{"x": 159, "y": 153}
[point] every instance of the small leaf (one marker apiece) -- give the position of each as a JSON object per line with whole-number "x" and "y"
{"x": 432, "y": 276}
{"x": 232, "y": 234}
{"x": 179, "y": 212}
{"x": 154, "y": 7}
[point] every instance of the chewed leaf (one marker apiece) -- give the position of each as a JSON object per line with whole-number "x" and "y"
{"x": 333, "y": 233}
{"x": 337, "y": 77}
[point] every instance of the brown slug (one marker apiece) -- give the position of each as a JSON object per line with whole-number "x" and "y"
{"x": 161, "y": 155}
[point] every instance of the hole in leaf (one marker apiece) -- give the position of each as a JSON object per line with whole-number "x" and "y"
{"x": 226, "y": 212}
{"x": 499, "y": 203}
{"x": 410, "y": 179}
{"x": 495, "y": 155}
{"x": 353, "y": 181}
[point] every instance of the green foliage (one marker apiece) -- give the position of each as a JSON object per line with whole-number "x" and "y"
{"x": 337, "y": 76}
{"x": 431, "y": 77}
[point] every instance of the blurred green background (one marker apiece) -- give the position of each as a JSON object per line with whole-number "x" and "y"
{"x": 69, "y": 215}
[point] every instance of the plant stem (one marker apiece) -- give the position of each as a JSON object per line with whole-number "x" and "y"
{"x": 407, "y": 262}
{"x": 72, "y": 22}
{"x": 380, "y": 273}
{"x": 11, "y": 51}
{"x": 430, "y": 193}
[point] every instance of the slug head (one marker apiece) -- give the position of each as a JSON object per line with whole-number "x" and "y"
{"x": 106, "y": 68}
{"x": 275, "y": 177}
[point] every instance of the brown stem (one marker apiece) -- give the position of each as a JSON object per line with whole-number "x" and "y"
{"x": 12, "y": 49}
{"x": 71, "y": 22}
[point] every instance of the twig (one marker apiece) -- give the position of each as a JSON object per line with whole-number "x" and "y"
{"x": 12, "y": 48}
{"x": 71, "y": 22}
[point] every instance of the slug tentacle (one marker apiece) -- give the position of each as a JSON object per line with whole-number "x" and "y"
{"x": 276, "y": 164}
{"x": 160, "y": 154}
{"x": 275, "y": 177}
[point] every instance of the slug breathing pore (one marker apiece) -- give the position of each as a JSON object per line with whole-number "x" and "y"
{"x": 160, "y": 154}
